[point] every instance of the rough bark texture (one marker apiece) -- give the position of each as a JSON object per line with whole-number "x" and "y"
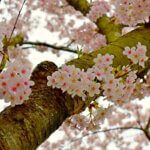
{"x": 27, "y": 126}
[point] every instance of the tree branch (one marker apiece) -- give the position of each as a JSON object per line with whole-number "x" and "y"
{"x": 16, "y": 21}
{"x": 81, "y": 5}
{"x": 107, "y": 130}
{"x": 26, "y": 126}
{"x": 106, "y": 25}
{"x": 146, "y": 130}
{"x": 148, "y": 124}
{"x": 59, "y": 48}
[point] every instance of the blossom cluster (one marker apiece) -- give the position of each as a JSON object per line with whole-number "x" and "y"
{"x": 98, "y": 9}
{"x": 137, "y": 54}
{"x": 87, "y": 36}
{"x": 75, "y": 81}
{"x": 101, "y": 78}
{"x": 131, "y": 12}
{"x": 90, "y": 122}
{"x": 15, "y": 83}
{"x": 114, "y": 87}
{"x": 79, "y": 82}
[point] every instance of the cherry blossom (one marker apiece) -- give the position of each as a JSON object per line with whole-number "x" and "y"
{"x": 113, "y": 88}
{"x": 98, "y": 9}
{"x": 137, "y": 55}
{"x": 131, "y": 12}
{"x": 15, "y": 82}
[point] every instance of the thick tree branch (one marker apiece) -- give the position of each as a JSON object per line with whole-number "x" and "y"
{"x": 59, "y": 48}
{"x": 81, "y": 5}
{"x": 27, "y": 126}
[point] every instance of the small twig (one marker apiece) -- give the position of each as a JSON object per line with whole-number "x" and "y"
{"x": 28, "y": 47}
{"x": 60, "y": 48}
{"x": 16, "y": 21}
{"x": 119, "y": 76}
{"x": 70, "y": 43}
{"x": 5, "y": 47}
{"x": 107, "y": 130}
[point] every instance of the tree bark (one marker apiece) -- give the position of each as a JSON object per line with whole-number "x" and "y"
{"x": 26, "y": 126}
